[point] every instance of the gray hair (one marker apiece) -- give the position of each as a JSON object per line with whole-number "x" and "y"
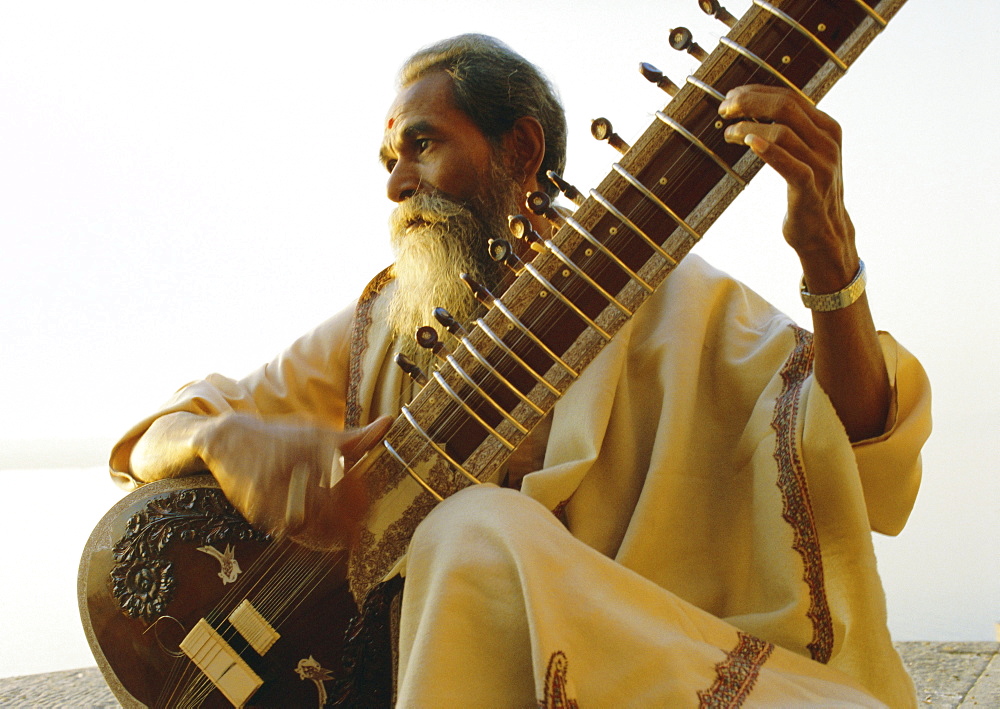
{"x": 494, "y": 86}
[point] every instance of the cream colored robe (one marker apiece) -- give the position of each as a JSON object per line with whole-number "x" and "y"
{"x": 697, "y": 450}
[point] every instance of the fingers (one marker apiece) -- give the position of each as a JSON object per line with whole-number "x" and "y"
{"x": 346, "y": 504}
{"x": 295, "y": 502}
{"x": 287, "y": 478}
{"x": 783, "y": 160}
{"x": 780, "y": 105}
{"x": 327, "y": 515}
{"x": 802, "y": 144}
{"x": 808, "y": 139}
{"x": 332, "y": 517}
{"x": 360, "y": 441}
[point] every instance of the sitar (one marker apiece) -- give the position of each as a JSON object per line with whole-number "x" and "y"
{"x": 185, "y": 604}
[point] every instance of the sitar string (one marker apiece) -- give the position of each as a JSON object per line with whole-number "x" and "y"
{"x": 280, "y": 580}
{"x": 288, "y": 584}
{"x": 686, "y": 161}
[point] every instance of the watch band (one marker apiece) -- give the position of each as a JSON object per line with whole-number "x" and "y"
{"x": 827, "y": 302}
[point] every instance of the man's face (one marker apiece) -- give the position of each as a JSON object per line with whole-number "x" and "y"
{"x": 430, "y": 145}
{"x": 453, "y": 194}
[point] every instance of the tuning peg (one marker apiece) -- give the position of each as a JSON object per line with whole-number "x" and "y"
{"x": 571, "y": 192}
{"x": 407, "y": 365}
{"x": 501, "y": 251}
{"x": 427, "y": 337}
{"x": 682, "y": 40}
{"x": 653, "y": 75}
{"x": 541, "y": 204}
{"x": 482, "y": 293}
{"x": 520, "y": 227}
{"x": 450, "y": 323}
{"x": 601, "y": 129}
{"x": 716, "y": 10}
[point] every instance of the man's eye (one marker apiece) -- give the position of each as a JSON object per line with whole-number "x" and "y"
{"x": 390, "y": 164}
{"x": 423, "y": 143}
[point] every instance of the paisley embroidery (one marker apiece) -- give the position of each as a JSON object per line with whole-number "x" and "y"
{"x": 796, "y": 505}
{"x": 736, "y": 675}
{"x": 557, "y": 684}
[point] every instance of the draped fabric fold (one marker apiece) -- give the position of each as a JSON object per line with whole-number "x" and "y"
{"x": 503, "y": 607}
{"x": 697, "y": 451}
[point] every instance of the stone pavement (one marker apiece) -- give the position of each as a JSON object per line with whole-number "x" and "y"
{"x": 952, "y": 674}
{"x": 947, "y": 675}
{"x": 70, "y": 688}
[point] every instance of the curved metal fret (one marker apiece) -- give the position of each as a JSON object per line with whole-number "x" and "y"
{"x": 479, "y": 390}
{"x": 871, "y": 13}
{"x": 607, "y": 252}
{"x": 707, "y": 88}
{"x": 482, "y": 360}
{"x": 693, "y": 139}
{"x": 513, "y": 355}
{"x": 743, "y": 51}
{"x": 472, "y": 412}
{"x": 634, "y": 181}
{"x": 544, "y": 282}
{"x": 413, "y": 474}
{"x": 557, "y": 252}
{"x": 667, "y": 172}
{"x": 603, "y": 201}
{"x": 438, "y": 448}
{"x": 785, "y": 17}
{"x": 520, "y": 326}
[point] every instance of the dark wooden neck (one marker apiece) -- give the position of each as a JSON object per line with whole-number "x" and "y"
{"x": 625, "y": 239}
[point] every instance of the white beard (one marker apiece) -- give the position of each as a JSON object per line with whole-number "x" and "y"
{"x": 435, "y": 240}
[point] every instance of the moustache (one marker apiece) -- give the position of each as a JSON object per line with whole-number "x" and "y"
{"x": 426, "y": 210}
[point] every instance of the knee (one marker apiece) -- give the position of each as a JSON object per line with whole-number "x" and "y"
{"x": 480, "y": 514}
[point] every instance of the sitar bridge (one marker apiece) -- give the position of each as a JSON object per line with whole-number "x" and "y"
{"x": 253, "y": 627}
{"x": 220, "y": 662}
{"x": 216, "y": 658}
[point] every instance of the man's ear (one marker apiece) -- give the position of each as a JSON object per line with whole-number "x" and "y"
{"x": 524, "y": 143}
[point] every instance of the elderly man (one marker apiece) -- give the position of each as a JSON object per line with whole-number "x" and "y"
{"x": 714, "y": 475}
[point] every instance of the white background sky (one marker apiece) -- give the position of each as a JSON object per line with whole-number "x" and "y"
{"x": 186, "y": 187}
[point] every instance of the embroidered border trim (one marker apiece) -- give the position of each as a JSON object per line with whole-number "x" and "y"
{"x": 737, "y": 674}
{"x": 359, "y": 343}
{"x": 557, "y": 685}
{"x": 796, "y": 505}
{"x": 374, "y": 555}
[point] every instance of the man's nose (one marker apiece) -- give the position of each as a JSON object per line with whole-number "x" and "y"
{"x": 403, "y": 183}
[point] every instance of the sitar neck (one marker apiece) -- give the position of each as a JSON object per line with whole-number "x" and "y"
{"x": 600, "y": 266}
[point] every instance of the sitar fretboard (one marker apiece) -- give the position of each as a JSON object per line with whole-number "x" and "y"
{"x": 606, "y": 259}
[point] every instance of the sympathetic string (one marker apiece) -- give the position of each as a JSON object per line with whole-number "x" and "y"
{"x": 685, "y": 161}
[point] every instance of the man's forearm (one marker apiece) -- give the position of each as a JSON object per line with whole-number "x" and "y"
{"x": 167, "y": 449}
{"x": 803, "y": 145}
{"x": 851, "y": 369}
